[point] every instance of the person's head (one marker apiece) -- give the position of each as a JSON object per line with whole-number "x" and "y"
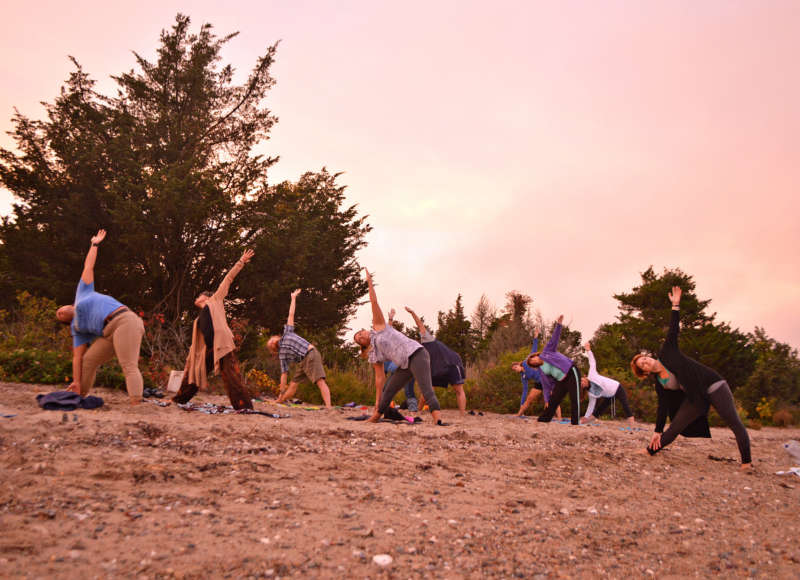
{"x": 272, "y": 343}
{"x": 643, "y": 364}
{"x": 361, "y": 338}
{"x": 517, "y": 367}
{"x": 201, "y": 300}
{"x": 65, "y": 314}
{"x": 584, "y": 383}
{"x": 535, "y": 360}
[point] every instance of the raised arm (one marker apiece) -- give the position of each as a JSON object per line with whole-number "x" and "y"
{"x": 675, "y": 317}
{"x": 592, "y": 363}
{"x": 391, "y": 316}
{"x": 417, "y": 321}
{"x": 378, "y": 322}
{"x": 225, "y": 285}
{"x": 535, "y": 343}
{"x": 553, "y": 342}
{"x": 87, "y": 276}
{"x": 292, "y": 305}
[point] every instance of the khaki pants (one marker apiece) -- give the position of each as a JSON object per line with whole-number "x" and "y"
{"x": 310, "y": 366}
{"x": 123, "y": 337}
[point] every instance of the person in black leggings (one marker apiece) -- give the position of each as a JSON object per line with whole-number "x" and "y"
{"x": 703, "y": 385}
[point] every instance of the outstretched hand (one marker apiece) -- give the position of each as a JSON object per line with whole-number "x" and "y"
{"x": 391, "y": 314}
{"x": 587, "y": 346}
{"x": 99, "y": 236}
{"x": 536, "y": 332}
{"x": 368, "y": 275}
{"x": 295, "y": 293}
{"x": 410, "y": 311}
{"x": 675, "y": 295}
{"x": 246, "y": 255}
{"x": 560, "y": 319}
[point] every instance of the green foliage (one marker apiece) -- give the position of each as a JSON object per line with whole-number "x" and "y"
{"x": 345, "y": 386}
{"x": 775, "y": 381}
{"x": 31, "y": 365}
{"x": 32, "y": 324}
{"x": 168, "y": 167}
{"x": 642, "y": 326}
{"x": 455, "y": 331}
{"x": 498, "y": 388}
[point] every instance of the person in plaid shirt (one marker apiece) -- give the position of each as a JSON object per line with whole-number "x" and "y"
{"x": 292, "y": 348}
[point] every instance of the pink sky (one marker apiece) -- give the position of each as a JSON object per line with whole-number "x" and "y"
{"x": 554, "y": 148}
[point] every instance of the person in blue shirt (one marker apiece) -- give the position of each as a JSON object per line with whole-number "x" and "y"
{"x": 101, "y": 327}
{"x": 528, "y": 373}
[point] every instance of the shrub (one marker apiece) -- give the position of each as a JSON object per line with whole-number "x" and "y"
{"x": 766, "y": 408}
{"x": 782, "y": 418}
{"x": 33, "y": 325}
{"x": 345, "y": 386}
{"x": 35, "y": 366}
{"x": 497, "y": 388}
{"x": 259, "y": 382}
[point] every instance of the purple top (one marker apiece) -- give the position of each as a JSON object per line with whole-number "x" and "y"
{"x": 555, "y": 358}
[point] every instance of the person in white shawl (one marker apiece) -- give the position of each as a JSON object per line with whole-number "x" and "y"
{"x": 603, "y": 388}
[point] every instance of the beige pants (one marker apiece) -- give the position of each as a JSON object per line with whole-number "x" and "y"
{"x": 123, "y": 337}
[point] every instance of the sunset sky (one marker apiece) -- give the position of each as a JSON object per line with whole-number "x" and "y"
{"x": 555, "y": 148}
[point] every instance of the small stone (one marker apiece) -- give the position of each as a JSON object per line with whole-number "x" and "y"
{"x": 264, "y": 540}
{"x": 382, "y": 560}
{"x": 389, "y": 531}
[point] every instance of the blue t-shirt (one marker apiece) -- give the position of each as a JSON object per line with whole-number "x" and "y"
{"x": 91, "y": 309}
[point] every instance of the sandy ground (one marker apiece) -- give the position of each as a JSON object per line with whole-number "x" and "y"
{"x": 153, "y": 492}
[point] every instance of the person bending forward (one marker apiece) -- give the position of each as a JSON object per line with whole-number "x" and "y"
{"x": 385, "y": 343}
{"x": 101, "y": 327}
{"x": 212, "y": 349}
{"x": 292, "y": 348}
{"x": 603, "y": 389}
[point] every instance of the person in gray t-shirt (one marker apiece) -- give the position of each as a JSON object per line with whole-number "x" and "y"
{"x": 384, "y": 343}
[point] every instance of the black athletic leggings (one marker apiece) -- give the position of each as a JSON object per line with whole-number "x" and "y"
{"x": 571, "y": 383}
{"x": 722, "y": 400}
{"x": 605, "y": 403}
{"x": 419, "y": 369}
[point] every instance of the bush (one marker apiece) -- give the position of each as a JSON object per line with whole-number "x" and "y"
{"x": 33, "y": 325}
{"x": 35, "y": 366}
{"x": 782, "y": 418}
{"x": 497, "y": 388}
{"x": 345, "y": 386}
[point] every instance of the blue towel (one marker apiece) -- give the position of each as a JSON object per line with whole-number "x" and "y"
{"x": 67, "y": 401}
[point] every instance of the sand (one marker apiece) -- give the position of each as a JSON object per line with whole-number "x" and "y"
{"x": 152, "y": 492}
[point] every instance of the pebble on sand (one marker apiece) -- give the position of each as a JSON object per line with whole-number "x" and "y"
{"x": 382, "y": 560}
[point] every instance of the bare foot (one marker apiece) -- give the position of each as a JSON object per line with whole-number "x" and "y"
{"x": 375, "y": 418}
{"x": 136, "y": 401}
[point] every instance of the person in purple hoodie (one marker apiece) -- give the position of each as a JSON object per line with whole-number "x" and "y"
{"x": 559, "y": 377}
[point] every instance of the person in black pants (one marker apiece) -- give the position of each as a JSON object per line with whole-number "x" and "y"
{"x": 703, "y": 386}
{"x": 560, "y": 377}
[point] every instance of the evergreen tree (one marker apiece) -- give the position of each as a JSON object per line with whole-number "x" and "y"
{"x": 643, "y": 321}
{"x": 167, "y": 167}
{"x": 456, "y": 331}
